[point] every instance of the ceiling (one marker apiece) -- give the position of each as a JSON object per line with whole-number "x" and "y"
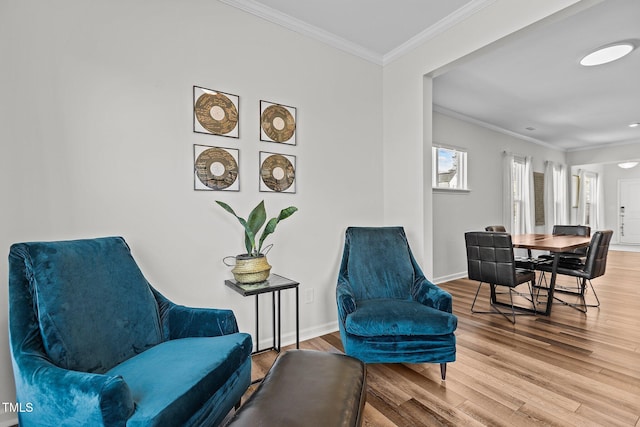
{"x": 530, "y": 85}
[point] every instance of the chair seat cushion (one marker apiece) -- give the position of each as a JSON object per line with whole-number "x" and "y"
{"x": 389, "y": 317}
{"x": 575, "y": 270}
{"x": 524, "y": 275}
{"x": 173, "y": 380}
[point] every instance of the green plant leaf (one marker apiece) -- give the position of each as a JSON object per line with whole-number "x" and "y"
{"x": 249, "y": 234}
{"x": 273, "y": 222}
{"x": 256, "y": 220}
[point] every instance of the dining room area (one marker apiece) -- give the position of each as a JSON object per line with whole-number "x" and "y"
{"x": 571, "y": 252}
{"x": 571, "y": 356}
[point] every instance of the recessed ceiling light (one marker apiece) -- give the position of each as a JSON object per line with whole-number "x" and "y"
{"x": 634, "y": 125}
{"x": 628, "y": 165}
{"x": 607, "y": 54}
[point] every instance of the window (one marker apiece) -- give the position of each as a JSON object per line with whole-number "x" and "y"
{"x": 555, "y": 194}
{"x": 518, "y": 196}
{"x": 449, "y": 168}
{"x": 590, "y": 199}
{"x": 519, "y": 201}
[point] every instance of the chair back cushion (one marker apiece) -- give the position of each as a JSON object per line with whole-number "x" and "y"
{"x": 596, "y": 262}
{"x": 490, "y": 257}
{"x": 94, "y": 307}
{"x": 378, "y": 262}
{"x": 497, "y": 228}
{"x": 573, "y": 230}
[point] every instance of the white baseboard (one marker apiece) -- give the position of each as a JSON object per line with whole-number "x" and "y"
{"x": 455, "y": 276}
{"x": 624, "y": 248}
{"x": 305, "y": 334}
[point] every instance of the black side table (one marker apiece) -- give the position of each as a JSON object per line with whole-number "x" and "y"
{"x": 273, "y": 284}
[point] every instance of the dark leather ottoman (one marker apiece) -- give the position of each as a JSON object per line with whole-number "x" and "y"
{"x": 307, "y": 388}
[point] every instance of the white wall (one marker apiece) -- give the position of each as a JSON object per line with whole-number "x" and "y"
{"x": 612, "y": 153}
{"x": 604, "y": 162}
{"x": 407, "y": 133}
{"x": 97, "y": 139}
{"x": 610, "y": 174}
{"x": 96, "y": 134}
{"x": 456, "y": 213}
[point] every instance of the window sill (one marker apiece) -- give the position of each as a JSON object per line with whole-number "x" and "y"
{"x": 450, "y": 190}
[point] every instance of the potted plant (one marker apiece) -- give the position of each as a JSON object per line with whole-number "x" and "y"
{"x": 252, "y": 267}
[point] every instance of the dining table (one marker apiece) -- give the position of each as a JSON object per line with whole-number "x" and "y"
{"x": 555, "y": 244}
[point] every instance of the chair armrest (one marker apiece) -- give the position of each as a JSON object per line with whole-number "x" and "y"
{"x": 345, "y": 299}
{"x": 179, "y": 321}
{"x": 187, "y": 322}
{"x": 431, "y": 295}
{"x": 58, "y": 396}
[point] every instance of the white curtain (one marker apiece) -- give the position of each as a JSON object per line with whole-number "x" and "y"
{"x": 580, "y": 215}
{"x": 589, "y": 204}
{"x": 555, "y": 195}
{"x": 518, "y": 195}
{"x": 600, "y": 204}
{"x": 507, "y": 191}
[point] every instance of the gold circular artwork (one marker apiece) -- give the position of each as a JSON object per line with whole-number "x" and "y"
{"x": 216, "y": 168}
{"x": 277, "y": 172}
{"x": 216, "y": 113}
{"x": 278, "y": 123}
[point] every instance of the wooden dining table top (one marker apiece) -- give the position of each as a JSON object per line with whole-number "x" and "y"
{"x": 549, "y": 242}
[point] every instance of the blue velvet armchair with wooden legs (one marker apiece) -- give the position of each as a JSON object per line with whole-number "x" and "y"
{"x": 93, "y": 344}
{"x": 388, "y": 312}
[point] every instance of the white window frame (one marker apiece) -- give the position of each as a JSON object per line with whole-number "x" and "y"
{"x": 461, "y": 180}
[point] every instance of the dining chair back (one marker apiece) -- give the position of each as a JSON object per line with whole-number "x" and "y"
{"x": 594, "y": 265}
{"x": 573, "y": 230}
{"x": 490, "y": 260}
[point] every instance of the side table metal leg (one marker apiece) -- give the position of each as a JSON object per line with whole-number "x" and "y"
{"x": 273, "y": 319}
{"x": 257, "y": 327}
{"x": 279, "y": 323}
{"x": 297, "y": 320}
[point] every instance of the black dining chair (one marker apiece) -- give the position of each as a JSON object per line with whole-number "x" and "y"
{"x": 594, "y": 265}
{"x": 575, "y": 256}
{"x": 521, "y": 262}
{"x": 490, "y": 260}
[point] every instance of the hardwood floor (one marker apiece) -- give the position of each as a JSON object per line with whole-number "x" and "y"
{"x": 569, "y": 369}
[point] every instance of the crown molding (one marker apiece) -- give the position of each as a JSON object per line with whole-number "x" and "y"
{"x": 304, "y": 28}
{"x": 436, "y": 29}
{"x": 301, "y": 27}
{"x": 606, "y": 145}
{"x": 460, "y": 116}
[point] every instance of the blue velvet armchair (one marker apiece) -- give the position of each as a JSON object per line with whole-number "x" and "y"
{"x": 388, "y": 312}
{"x": 93, "y": 344}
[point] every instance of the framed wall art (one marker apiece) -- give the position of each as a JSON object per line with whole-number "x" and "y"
{"x": 215, "y": 113}
{"x": 215, "y": 168}
{"x": 277, "y": 173}
{"x": 277, "y": 123}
